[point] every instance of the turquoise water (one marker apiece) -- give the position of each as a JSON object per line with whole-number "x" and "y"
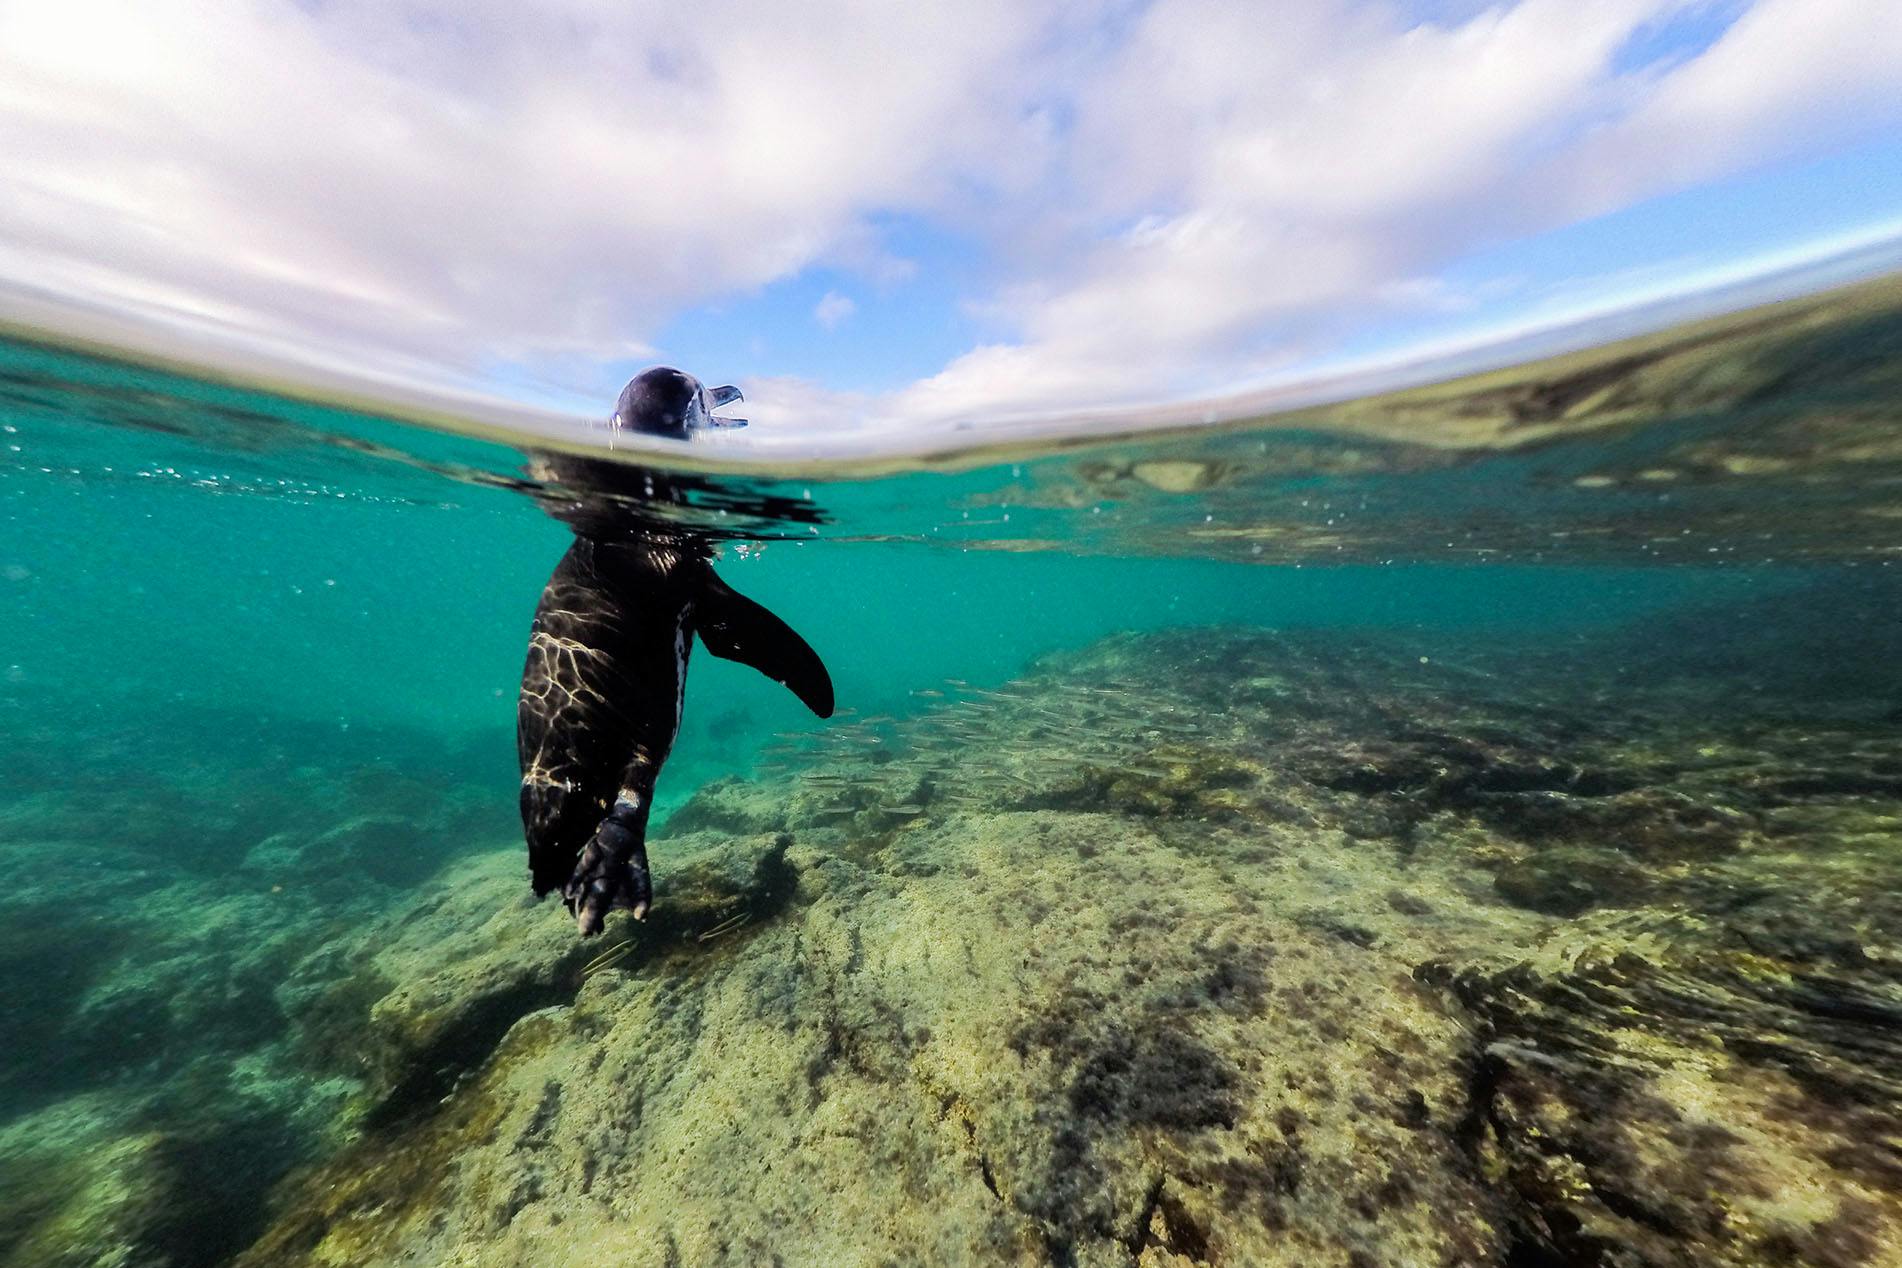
{"x": 259, "y": 682}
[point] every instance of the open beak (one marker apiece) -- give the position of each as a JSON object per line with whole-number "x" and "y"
{"x": 718, "y": 396}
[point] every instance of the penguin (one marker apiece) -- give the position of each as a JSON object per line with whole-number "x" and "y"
{"x": 606, "y": 673}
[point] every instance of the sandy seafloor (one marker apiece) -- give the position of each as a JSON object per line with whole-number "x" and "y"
{"x": 1223, "y": 946}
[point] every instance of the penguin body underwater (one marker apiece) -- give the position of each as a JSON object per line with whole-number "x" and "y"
{"x": 606, "y": 673}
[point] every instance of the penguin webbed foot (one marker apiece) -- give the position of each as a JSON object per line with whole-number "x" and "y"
{"x": 612, "y": 873}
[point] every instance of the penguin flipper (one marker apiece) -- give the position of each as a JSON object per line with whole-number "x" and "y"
{"x": 735, "y": 628}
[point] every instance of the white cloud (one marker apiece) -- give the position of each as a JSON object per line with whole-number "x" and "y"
{"x": 1789, "y": 76}
{"x": 1278, "y": 166}
{"x": 832, "y": 309}
{"x": 480, "y": 182}
{"x": 1176, "y": 195}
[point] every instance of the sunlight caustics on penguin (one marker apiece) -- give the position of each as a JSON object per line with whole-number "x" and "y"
{"x": 606, "y": 674}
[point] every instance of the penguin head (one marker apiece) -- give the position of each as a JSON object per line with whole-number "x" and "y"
{"x": 667, "y": 402}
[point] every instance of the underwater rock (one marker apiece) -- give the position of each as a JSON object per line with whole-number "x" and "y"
{"x": 1703, "y": 1109}
{"x": 1178, "y": 476}
{"x": 438, "y": 984}
{"x": 155, "y": 991}
{"x": 386, "y": 848}
{"x": 1211, "y": 946}
{"x": 1060, "y": 1073}
{"x": 729, "y": 805}
{"x": 82, "y": 1189}
{"x": 1237, "y": 948}
{"x": 1565, "y": 882}
{"x": 109, "y": 1205}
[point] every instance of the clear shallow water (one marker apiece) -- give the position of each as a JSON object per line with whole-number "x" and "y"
{"x": 1537, "y": 733}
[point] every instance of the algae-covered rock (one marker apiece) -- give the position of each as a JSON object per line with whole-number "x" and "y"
{"x": 981, "y": 1064}
{"x": 83, "y": 1190}
{"x": 1305, "y": 957}
{"x": 165, "y": 925}
{"x": 1568, "y": 881}
{"x": 1225, "y": 947}
{"x": 434, "y": 986}
{"x": 1724, "y": 1109}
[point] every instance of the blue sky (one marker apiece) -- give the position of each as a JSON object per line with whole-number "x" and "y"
{"x": 910, "y": 216}
{"x": 897, "y": 330}
{"x": 1760, "y": 220}
{"x": 1764, "y": 220}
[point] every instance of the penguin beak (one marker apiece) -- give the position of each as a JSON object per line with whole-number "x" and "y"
{"x": 725, "y": 395}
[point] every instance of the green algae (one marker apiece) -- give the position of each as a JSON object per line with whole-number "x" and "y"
{"x": 1298, "y": 993}
{"x": 375, "y": 1194}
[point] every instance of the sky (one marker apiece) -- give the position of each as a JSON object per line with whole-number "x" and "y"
{"x": 911, "y": 216}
